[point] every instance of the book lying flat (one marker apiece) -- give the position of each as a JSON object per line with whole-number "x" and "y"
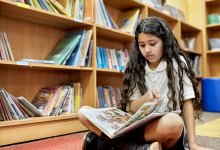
{"x": 115, "y": 122}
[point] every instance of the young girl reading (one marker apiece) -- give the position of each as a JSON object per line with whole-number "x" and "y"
{"x": 157, "y": 70}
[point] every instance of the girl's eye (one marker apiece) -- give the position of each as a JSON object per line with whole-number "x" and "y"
{"x": 142, "y": 46}
{"x": 152, "y": 44}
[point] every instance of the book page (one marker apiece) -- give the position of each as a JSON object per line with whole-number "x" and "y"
{"x": 109, "y": 120}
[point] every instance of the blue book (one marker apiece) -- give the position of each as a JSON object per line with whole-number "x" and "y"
{"x": 63, "y": 48}
{"x": 76, "y": 56}
{"x": 103, "y": 58}
{"x": 98, "y": 58}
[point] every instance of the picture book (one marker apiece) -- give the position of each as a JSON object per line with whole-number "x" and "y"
{"x": 115, "y": 122}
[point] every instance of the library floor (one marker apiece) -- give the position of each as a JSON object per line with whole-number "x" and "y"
{"x": 208, "y": 135}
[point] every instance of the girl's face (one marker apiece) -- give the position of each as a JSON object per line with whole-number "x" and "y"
{"x": 151, "y": 48}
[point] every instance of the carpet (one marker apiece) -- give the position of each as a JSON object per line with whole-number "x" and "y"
{"x": 64, "y": 142}
{"x": 211, "y": 129}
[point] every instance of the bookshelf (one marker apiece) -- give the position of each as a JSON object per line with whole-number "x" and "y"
{"x": 33, "y": 32}
{"x": 211, "y": 57}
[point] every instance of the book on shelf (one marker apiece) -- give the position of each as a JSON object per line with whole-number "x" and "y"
{"x": 37, "y": 61}
{"x": 29, "y": 107}
{"x": 59, "y": 7}
{"x": 115, "y": 122}
{"x": 63, "y": 48}
{"x": 127, "y": 20}
{"x": 75, "y": 57}
{"x": 214, "y": 44}
{"x": 5, "y": 48}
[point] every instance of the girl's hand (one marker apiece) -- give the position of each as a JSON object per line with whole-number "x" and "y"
{"x": 196, "y": 147}
{"x": 151, "y": 95}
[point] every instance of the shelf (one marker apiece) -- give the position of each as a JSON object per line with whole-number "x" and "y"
{"x": 19, "y": 64}
{"x": 109, "y": 71}
{"x": 185, "y": 27}
{"x": 154, "y": 12}
{"x": 35, "y": 15}
{"x": 212, "y": 2}
{"x": 37, "y": 120}
{"x": 213, "y": 27}
{"x": 213, "y": 52}
{"x": 124, "y": 4}
{"x": 114, "y": 34}
{"x": 192, "y": 52}
{"x": 34, "y": 128}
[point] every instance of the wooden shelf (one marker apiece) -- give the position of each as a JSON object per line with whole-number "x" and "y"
{"x": 154, "y": 12}
{"x": 34, "y": 128}
{"x": 109, "y": 71}
{"x": 213, "y": 27}
{"x": 212, "y": 2}
{"x": 213, "y": 52}
{"x": 192, "y": 52}
{"x": 185, "y": 27}
{"x": 20, "y": 64}
{"x": 124, "y": 4}
{"x": 113, "y": 34}
{"x": 35, "y": 15}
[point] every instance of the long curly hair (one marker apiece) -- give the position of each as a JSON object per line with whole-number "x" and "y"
{"x": 135, "y": 70}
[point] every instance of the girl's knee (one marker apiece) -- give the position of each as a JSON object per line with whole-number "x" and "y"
{"x": 171, "y": 125}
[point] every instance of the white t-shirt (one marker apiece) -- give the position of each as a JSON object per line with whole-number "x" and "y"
{"x": 157, "y": 79}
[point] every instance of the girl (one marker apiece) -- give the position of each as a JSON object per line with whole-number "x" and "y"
{"x": 157, "y": 70}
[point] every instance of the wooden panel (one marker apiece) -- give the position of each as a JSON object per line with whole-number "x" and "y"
{"x": 109, "y": 79}
{"x": 214, "y": 65}
{"x": 124, "y": 4}
{"x": 106, "y": 43}
{"x": 31, "y": 131}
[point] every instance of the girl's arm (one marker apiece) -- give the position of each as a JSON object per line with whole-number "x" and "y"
{"x": 134, "y": 105}
{"x": 188, "y": 116}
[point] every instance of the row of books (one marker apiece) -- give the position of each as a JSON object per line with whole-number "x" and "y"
{"x": 111, "y": 58}
{"x": 75, "y": 49}
{"x": 5, "y": 48}
{"x": 53, "y": 101}
{"x": 188, "y": 43}
{"x": 49, "y": 101}
{"x": 214, "y": 18}
{"x": 107, "y": 96}
{"x": 165, "y": 8}
{"x": 71, "y": 8}
{"x": 127, "y": 20}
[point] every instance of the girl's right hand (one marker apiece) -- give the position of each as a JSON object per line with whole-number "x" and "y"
{"x": 152, "y": 95}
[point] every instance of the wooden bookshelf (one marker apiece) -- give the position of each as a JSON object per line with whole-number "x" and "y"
{"x": 211, "y": 57}
{"x": 33, "y": 33}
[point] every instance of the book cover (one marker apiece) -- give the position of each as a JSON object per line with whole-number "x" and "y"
{"x": 75, "y": 57}
{"x": 127, "y": 20}
{"x": 63, "y": 48}
{"x": 115, "y": 122}
{"x": 85, "y": 46}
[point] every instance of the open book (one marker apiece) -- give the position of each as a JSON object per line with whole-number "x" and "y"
{"x": 115, "y": 122}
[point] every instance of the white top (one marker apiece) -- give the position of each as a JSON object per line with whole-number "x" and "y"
{"x": 157, "y": 79}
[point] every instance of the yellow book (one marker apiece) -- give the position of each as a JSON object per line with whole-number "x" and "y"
{"x": 128, "y": 20}
{"x": 59, "y": 7}
{"x": 77, "y": 96}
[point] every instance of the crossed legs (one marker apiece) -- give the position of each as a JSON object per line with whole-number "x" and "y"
{"x": 164, "y": 131}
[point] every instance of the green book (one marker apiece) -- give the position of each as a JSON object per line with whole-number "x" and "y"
{"x": 213, "y": 19}
{"x": 63, "y": 49}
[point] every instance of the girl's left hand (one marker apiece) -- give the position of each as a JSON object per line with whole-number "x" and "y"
{"x": 196, "y": 147}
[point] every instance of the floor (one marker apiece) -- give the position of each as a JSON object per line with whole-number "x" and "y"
{"x": 74, "y": 141}
{"x": 208, "y": 116}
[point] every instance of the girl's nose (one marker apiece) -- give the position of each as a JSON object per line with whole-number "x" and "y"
{"x": 147, "y": 49}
